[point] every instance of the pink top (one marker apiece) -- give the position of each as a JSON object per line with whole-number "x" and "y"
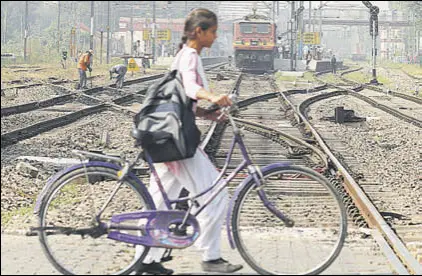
{"x": 188, "y": 63}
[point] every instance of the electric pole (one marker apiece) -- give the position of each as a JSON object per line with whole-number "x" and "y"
{"x": 299, "y": 28}
{"x": 154, "y": 32}
{"x": 131, "y": 33}
{"x": 58, "y": 27}
{"x": 91, "y": 42}
{"x": 101, "y": 8}
{"x": 25, "y": 36}
{"x": 293, "y": 36}
{"x": 310, "y": 16}
{"x": 320, "y": 19}
{"x": 278, "y": 10}
{"x": 108, "y": 32}
{"x": 101, "y": 45}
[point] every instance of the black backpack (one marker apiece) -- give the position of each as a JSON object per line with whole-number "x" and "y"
{"x": 165, "y": 126}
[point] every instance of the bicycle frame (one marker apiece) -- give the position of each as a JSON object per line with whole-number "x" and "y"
{"x": 254, "y": 173}
{"x": 219, "y": 184}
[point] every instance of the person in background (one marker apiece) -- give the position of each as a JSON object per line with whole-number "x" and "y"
{"x": 135, "y": 49}
{"x": 308, "y": 59}
{"x": 305, "y": 50}
{"x": 84, "y": 64}
{"x": 120, "y": 70}
{"x": 333, "y": 64}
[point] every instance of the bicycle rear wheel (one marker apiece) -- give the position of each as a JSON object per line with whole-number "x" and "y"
{"x": 73, "y": 201}
{"x": 320, "y": 223}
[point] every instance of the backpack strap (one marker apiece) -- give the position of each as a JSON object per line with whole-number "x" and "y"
{"x": 176, "y": 67}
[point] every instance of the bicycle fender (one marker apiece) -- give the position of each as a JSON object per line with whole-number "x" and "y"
{"x": 236, "y": 195}
{"x": 61, "y": 173}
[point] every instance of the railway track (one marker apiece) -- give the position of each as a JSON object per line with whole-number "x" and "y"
{"x": 400, "y": 241}
{"x": 393, "y": 103}
{"x": 40, "y": 127}
{"x": 270, "y": 120}
{"x": 99, "y": 99}
{"x": 378, "y": 88}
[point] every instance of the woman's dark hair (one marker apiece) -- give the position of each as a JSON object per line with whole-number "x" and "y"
{"x": 197, "y": 18}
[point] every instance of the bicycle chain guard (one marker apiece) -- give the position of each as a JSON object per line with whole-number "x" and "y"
{"x": 156, "y": 229}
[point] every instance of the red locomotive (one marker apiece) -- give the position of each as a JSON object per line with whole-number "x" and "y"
{"x": 254, "y": 43}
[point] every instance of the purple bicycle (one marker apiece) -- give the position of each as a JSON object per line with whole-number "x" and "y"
{"x": 282, "y": 218}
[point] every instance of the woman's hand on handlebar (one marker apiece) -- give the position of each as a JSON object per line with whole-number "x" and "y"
{"x": 221, "y": 100}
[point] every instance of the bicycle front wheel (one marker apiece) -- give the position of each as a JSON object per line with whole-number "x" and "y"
{"x": 73, "y": 201}
{"x": 307, "y": 198}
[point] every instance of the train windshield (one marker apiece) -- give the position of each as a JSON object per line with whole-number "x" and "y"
{"x": 263, "y": 28}
{"x": 246, "y": 28}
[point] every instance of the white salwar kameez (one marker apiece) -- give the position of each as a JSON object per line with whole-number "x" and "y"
{"x": 194, "y": 174}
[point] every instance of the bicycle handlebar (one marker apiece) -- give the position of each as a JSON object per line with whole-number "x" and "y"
{"x": 215, "y": 107}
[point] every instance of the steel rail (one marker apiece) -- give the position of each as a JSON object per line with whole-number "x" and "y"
{"x": 17, "y": 109}
{"x": 22, "y": 108}
{"x": 352, "y": 92}
{"x": 38, "y": 128}
{"x": 34, "y": 84}
{"x": 387, "y": 109}
{"x": 410, "y": 75}
{"x": 378, "y": 89}
{"x": 272, "y": 131}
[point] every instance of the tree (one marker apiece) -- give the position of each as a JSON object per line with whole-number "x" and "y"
{"x": 11, "y": 19}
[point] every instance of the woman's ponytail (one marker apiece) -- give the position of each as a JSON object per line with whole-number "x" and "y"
{"x": 197, "y": 18}
{"x": 184, "y": 39}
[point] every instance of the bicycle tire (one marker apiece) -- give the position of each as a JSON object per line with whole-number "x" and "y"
{"x": 96, "y": 175}
{"x": 276, "y": 232}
